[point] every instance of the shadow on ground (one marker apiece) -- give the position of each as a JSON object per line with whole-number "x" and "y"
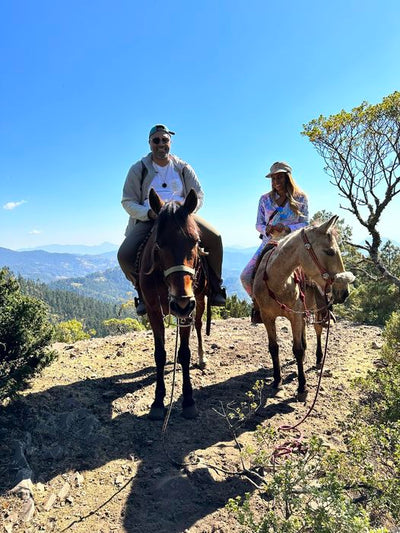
{"x": 77, "y": 427}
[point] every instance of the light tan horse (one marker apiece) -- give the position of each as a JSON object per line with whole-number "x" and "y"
{"x": 278, "y": 293}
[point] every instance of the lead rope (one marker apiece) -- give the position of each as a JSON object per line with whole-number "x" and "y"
{"x": 296, "y": 445}
{"x": 169, "y": 409}
{"x": 166, "y": 419}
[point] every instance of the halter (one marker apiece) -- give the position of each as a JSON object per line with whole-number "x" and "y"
{"x": 183, "y": 268}
{"x": 324, "y": 273}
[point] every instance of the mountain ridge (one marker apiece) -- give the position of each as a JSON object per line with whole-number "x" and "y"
{"x": 99, "y": 276}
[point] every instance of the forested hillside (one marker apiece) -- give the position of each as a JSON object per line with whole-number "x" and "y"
{"x": 109, "y": 286}
{"x": 67, "y": 305}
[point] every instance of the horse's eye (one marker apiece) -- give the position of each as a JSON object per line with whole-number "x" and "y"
{"x": 330, "y": 252}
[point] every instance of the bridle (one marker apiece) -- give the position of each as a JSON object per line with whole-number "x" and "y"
{"x": 324, "y": 273}
{"x": 184, "y": 268}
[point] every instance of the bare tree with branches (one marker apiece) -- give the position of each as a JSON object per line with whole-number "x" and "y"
{"x": 361, "y": 151}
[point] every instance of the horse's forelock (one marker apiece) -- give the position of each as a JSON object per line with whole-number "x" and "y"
{"x": 176, "y": 214}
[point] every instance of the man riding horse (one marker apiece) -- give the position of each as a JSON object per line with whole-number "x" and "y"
{"x": 172, "y": 179}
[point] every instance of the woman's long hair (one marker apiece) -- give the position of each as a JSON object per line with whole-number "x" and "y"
{"x": 293, "y": 192}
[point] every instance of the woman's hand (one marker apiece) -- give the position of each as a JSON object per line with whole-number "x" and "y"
{"x": 279, "y": 228}
{"x": 268, "y": 229}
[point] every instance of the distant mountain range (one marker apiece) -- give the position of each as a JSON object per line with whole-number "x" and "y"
{"x": 45, "y": 266}
{"x": 80, "y": 249}
{"x": 93, "y": 270}
{"x": 99, "y": 276}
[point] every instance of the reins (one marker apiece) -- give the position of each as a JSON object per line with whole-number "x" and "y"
{"x": 179, "y": 324}
{"x": 296, "y": 444}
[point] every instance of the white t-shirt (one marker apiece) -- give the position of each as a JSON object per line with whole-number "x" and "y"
{"x": 167, "y": 183}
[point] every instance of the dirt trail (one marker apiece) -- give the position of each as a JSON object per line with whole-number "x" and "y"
{"x": 87, "y": 437}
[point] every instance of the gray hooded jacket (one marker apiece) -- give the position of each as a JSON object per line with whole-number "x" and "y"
{"x": 137, "y": 185}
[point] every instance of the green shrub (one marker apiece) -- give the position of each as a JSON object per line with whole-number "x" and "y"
{"x": 234, "y": 308}
{"x": 307, "y": 491}
{"x": 71, "y": 331}
{"x": 120, "y": 326}
{"x": 25, "y": 334}
{"x": 353, "y": 489}
{"x": 371, "y": 303}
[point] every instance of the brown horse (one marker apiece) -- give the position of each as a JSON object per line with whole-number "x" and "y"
{"x": 277, "y": 290}
{"x": 173, "y": 282}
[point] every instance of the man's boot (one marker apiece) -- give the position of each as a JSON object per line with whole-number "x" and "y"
{"x": 255, "y": 314}
{"x": 218, "y": 297}
{"x": 139, "y": 303}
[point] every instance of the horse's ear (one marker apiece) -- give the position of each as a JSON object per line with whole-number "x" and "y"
{"x": 155, "y": 201}
{"x": 191, "y": 201}
{"x": 329, "y": 224}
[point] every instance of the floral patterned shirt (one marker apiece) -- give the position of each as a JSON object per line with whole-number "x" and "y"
{"x": 284, "y": 215}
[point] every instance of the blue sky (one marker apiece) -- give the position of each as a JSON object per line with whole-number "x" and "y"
{"x": 82, "y": 83}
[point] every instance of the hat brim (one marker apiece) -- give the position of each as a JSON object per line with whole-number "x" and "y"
{"x": 277, "y": 172}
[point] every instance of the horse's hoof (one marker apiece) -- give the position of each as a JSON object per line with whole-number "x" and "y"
{"x": 277, "y": 385}
{"x": 157, "y": 413}
{"x": 318, "y": 366}
{"x": 190, "y": 412}
{"x": 302, "y": 396}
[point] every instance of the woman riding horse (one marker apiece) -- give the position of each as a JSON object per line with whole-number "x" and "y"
{"x": 280, "y": 211}
{"x": 278, "y": 288}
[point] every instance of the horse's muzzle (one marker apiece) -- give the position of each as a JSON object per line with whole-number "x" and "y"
{"x": 339, "y": 296}
{"x": 340, "y": 287}
{"x": 181, "y": 307}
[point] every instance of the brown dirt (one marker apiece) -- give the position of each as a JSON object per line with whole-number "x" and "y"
{"x": 89, "y": 442}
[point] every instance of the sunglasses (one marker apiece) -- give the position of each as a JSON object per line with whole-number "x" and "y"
{"x": 158, "y": 140}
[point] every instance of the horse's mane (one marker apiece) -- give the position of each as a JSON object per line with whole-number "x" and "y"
{"x": 173, "y": 213}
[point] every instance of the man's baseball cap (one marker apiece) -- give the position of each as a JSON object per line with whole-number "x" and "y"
{"x": 279, "y": 166}
{"x": 160, "y": 127}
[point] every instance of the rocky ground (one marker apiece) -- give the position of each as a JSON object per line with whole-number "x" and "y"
{"x": 97, "y": 462}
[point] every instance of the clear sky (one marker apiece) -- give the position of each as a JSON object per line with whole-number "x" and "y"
{"x": 83, "y": 81}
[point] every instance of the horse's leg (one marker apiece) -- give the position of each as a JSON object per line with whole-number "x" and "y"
{"x": 198, "y": 323}
{"x": 157, "y": 411}
{"x": 188, "y": 405}
{"x": 299, "y": 347}
{"x": 274, "y": 352}
{"x": 318, "y": 331}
